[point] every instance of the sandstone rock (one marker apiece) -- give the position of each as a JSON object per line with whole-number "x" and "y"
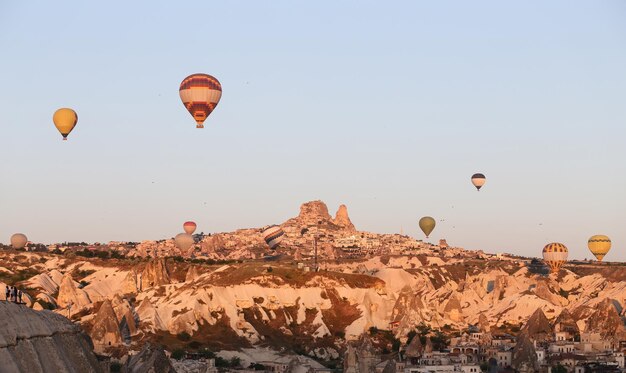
{"x": 149, "y": 318}
{"x": 129, "y": 285}
{"x": 483, "y": 323}
{"x": 524, "y": 355}
{"x": 566, "y": 323}
{"x": 69, "y": 293}
{"x": 42, "y": 341}
{"x": 105, "y": 331}
{"x": 314, "y": 210}
{"x": 606, "y": 321}
{"x": 538, "y": 327}
{"x": 343, "y": 220}
{"x": 151, "y": 359}
{"x": 453, "y": 309}
{"x": 415, "y": 348}
{"x": 192, "y": 274}
{"x": 155, "y": 274}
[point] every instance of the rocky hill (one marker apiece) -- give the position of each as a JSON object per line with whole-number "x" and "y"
{"x": 386, "y": 282}
{"x": 42, "y": 341}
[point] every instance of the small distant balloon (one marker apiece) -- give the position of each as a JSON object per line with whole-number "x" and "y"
{"x": 599, "y": 245}
{"x": 189, "y": 227}
{"x": 183, "y": 241}
{"x": 65, "y": 120}
{"x": 555, "y": 255}
{"x": 478, "y": 180}
{"x": 18, "y": 240}
{"x": 427, "y": 224}
{"x": 273, "y": 235}
{"x": 200, "y": 94}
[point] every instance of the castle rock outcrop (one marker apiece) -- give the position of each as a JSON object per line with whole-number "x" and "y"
{"x": 343, "y": 220}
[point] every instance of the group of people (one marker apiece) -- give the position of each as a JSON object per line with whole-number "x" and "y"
{"x": 13, "y": 294}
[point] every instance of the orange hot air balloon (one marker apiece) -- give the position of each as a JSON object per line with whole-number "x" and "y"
{"x": 200, "y": 94}
{"x": 65, "y": 120}
{"x": 189, "y": 227}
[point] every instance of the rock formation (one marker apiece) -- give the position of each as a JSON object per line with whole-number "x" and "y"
{"x": 524, "y": 355}
{"x": 42, "y": 341}
{"x": 69, "y": 293}
{"x": 566, "y": 323}
{"x": 415, "y": 348}
{"x": 151, "y": 359}
{"x": 314, "y": 211}
{"x": 129, "y": 285}
{"x": 192, "y": 274}
{"x": 538, "y": 327}
{"x": 343, "y": 220}
{"x": 105, "y": 331}
{"x": 155, "y": 274}
{"x": 148, "y": 316}
{"x": 606, "y": 321}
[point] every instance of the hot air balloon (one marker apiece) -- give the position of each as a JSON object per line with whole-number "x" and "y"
{"x": 183, "y": 241}
{"x": 478, "y": 180}
{"x": 555, "y": 255}
{"x": 273, "y": 235}
{"x": 18, "y": 240}
{"x": 599, "y": 245}
{"x": 65, "y": 120}
{"x": 189, "y": 227}
{"x": 427, "y": 224}
{"x": 200, "y": 94}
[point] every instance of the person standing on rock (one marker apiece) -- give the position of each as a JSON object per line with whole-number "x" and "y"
{"x": 7, "y": 293}
{"x": 19, "y": 296}
{"x": 14, "y": 295}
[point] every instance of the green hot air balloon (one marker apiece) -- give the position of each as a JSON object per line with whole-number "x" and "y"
{"x": 427, "y": 224}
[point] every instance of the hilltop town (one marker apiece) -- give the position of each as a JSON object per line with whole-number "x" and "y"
{"x": 330, "y": 298}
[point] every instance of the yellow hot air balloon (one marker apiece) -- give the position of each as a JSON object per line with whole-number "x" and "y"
{"x": 599, "y": 245}
{"x": 18, "y": 241}
{"x": 555, "y": 255}
{"x": 65, "y": 120}
{"x": 427, "y": 224}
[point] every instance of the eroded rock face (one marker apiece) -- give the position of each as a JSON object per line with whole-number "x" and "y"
{"x": 538, "y": 327}
{"x": 343, "y": 220}
{"x": 42, "y": 341}
{"x": 155, "y": 274}
{"x": 606, "y": 321}
{"x": 69, "y": 293}
{"x": 151, "y": 359}
{"x": 106, "y": 331}
{"x": 314, "y": 210}
{"x": 524, "y": 355}
{"x": 192, "y": 274}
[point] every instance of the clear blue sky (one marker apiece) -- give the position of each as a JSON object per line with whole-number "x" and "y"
{"x": 388, "y": 108}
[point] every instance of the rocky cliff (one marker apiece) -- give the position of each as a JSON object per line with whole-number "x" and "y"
{"x": 42, "y": 341}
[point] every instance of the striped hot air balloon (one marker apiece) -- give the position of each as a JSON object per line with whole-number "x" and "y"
{"x": 200, "y": 94}
{"x": 555, "y": 255}
{"x": 189, "y": 227}
{"x": 478, "y": 180}
{"x": 599, "y": 245}
{"x": 273, "y": 235}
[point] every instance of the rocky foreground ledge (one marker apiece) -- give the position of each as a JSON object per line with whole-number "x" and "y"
{"x": 42, "y": 341}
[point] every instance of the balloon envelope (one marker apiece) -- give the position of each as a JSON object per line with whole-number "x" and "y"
{"x": 18, "y": 240}
{"x": 189, "y": 227}
{"x": 599, "y": 245}
{"x": 183, "y": 241}
{"x": 427, "y": 224}
{"x": 555, "y": 255}
{"x": 200, "y": 94}
{"x": 273, "y": 235}
{"x": 478, "y": 180}
{"x": 65, "y": 120}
